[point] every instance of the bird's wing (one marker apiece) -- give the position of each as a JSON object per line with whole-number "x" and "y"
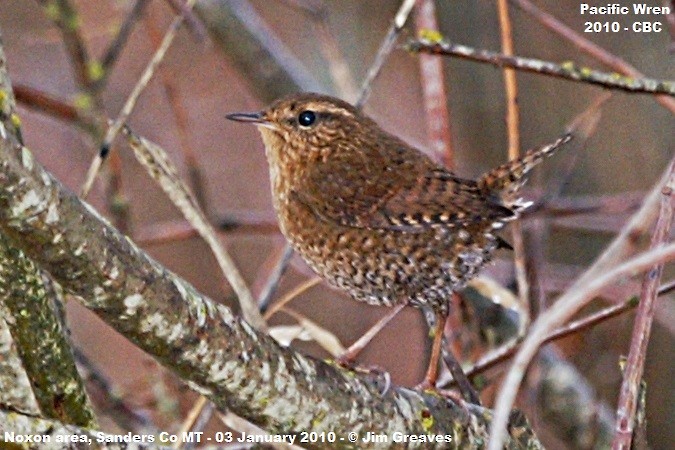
{"x": 402, "y": 196}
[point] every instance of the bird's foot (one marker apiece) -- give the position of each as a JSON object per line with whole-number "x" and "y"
{"x": 426, "y": 387}
{"x": 377, "y": 372}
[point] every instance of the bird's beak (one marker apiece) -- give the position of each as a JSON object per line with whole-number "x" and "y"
{"x": 257, "y": 118}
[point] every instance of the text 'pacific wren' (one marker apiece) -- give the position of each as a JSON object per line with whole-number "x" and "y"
{"x": 376, "y": 217}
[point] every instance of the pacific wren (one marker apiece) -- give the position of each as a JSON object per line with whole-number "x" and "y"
{"x": 375, "y": 216}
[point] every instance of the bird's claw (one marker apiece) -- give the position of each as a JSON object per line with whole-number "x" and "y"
{"x": 375, "y": 371}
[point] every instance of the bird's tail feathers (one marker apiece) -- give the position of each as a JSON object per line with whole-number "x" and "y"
{"x": 509, "y": 177}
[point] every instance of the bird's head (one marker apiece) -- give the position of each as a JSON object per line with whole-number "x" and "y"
{"x": 303, "y": 128}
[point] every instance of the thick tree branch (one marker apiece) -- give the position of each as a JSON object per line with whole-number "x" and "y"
{"x": 34, "y": 315}
{"x": 40, "y": 338}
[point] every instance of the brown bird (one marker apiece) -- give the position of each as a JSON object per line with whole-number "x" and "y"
{"x": 375, "y": 216}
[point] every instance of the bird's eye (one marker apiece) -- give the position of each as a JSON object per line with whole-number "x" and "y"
{"x": 306, "y": 118}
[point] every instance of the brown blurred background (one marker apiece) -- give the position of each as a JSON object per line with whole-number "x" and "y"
{"x": 633, "y": 144}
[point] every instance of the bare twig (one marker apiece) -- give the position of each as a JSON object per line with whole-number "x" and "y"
{"x": 566, "y": 70}
{"x": 54, "y": 107}
{"x": 325, "y": 338}
{"x": 299, "y": 289}
{"x": 469, "y": 393}
{"x": 233, "y": 222}
{"x": 272, "y": 282}
{"x": 189, "y": 422}
{"x": 513, "y": 133}
{"x": 192, "y": 22}
{"x": 337, "y": 65}
{"x": 510, "y": 83}
{"x": 433, "y": 89}
{"x": 357, "y": 347}
{"x": 117, "y": 44}
{"x": 176, "y": 102}
{"x": 88, "y": 74}
{"x": 160, "y": 167}
{"x": 603, "y": 270}
{"x": 66, "y": 19}
{"x": 107, "y": 399}
{"x": 128, "y": 107}
{"x": 256, "y": 50}
{"x": 200, "y": 423}
{"x": 588, "y": 47}
{"x": 628, "y": 397}
{"x": 506, "y": 352}
{"x": 384, "y": 50}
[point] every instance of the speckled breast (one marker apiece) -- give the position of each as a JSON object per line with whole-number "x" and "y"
{"x": 385, "y": 267}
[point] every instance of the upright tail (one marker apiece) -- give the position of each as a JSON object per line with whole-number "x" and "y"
{"x": 509, "y": 177}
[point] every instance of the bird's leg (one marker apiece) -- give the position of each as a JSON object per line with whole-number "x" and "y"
{"x": 432, "y": 370}
{"x": 347, "y": 357}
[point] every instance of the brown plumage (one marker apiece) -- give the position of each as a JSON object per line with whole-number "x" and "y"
{"x": 375, "y": 216}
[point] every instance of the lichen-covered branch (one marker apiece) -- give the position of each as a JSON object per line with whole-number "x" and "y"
{"x": 15, "y": 390}
{"x": 30, "y": 305}
{"x": 40, "y": 339}
{"x": 218, "y": 355}
{"x": 567, "y": 70}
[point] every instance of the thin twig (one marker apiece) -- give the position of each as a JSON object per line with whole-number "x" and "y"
{"x": 628, "y": 396}
{"x": 272, "y": 283}
{"x": 357, "y": 347}
{"x": 586, "y": 204}
{"x": 577, "y": 326}
{"x": 180, "y": 115}
{"x": 106, "y": 397}
{"x": 88, "y": 72}
{"x": 190, "y": 419}
{"x": 667, "y": 288}
{"x": 469, "y": 393}
{"x": 67, "y": 20}
{"x": 329, "y": 46}
{"x": 128, "y": 107}
{"x": 299, "y": 289}
{"x": 58, "y": 108}
{"x": 567, "y": 70}
{"x": 234, "y": 222}
{"x": 385, "y": 48}
{"x": 322, "y": 336}
{"x": 513, "y": 133}
{"x": 434, "y": 94}
{"x": 510, "y": 83}
{"x": 604, "y": 270}
{"x": 117, "y": 44}
{"x": 192, "y": 22}
{"x": 154, "y": 159}
{"x": 588, "y": 47}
